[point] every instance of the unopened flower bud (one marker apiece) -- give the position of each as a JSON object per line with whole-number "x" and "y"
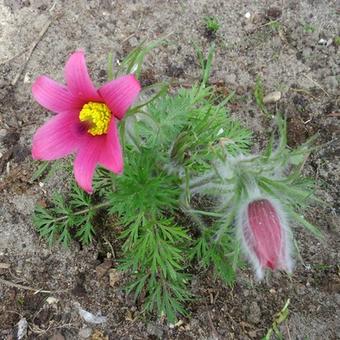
{"x": 264, "y": 235}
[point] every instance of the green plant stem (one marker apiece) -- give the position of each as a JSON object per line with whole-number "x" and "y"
{"x": 83, "y": 211}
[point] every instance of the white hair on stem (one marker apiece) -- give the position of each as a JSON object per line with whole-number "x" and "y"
{"x": 204, "y": 178}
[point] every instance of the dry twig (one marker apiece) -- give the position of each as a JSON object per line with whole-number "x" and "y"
{"x": 32, "y": 48}
{"x": 317, "y": 84}
{"x": 19, "y": 286}
{"x": 13, "y": 57}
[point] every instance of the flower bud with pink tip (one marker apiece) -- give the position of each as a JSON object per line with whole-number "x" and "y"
{"x": 264, "y": 235}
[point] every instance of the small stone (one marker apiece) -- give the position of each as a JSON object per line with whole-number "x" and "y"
{"x": 272, "y": 97}
{"x": 51, "y": 300}
{"x": 3, "y": 133}
{"x": 177, "y": 324}
{"x": 91, "y": 318}
{"x": 322, "y": 42}
{"x": 22, "y": 328}
{"x": 329, "y": 42}
{"x": 85, "y": 332}
{"x": 133, "y": 41}
{"x": 27, "y": 78}
{"x": 247, "y": 15}
{"x": 254, "y": 313}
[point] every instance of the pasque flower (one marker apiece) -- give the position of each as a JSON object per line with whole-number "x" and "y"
{"x": 264, "y": 235}
{"x": 86, "y": 120}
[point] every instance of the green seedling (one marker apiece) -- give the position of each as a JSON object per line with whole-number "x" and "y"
{"x": 259, "y": 94}
{"x": 279, "y": 318}
{"x": 211, "y": 24}
{"x": 337, "y": 40}
{"x": 308, "y": 28}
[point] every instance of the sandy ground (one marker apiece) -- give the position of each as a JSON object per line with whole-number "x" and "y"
{"x": 298, "y": 55}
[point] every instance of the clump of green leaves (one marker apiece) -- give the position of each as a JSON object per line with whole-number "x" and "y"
{"x": 337, "y": 40}
{"x": 309, "y": 28}
{"x": 178, "y": 148}
{"x": 259, "y": 95}
{"x": 211, "y": 24}
{"x": 67, "y": 220}
{"x": 274, "y": 25}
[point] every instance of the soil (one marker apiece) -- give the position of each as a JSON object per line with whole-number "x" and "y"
{"x": 291, "y": 45}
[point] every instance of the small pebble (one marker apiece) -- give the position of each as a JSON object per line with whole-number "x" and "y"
{"x": 3, "y": 133}
{"x": 51, "y": 300}
{"x": 133, "y": 41}
{"x": 272, "y": 97}
{"x": 22, "y": 329}
{"x": 27, "y": 78}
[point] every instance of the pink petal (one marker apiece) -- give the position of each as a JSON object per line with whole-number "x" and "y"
{"x": 56, "y": 138}
{"x": 53, "y": 96}
{"x": 267, "y": 233}
{"x": 111, "y": 156}
{"x": 78, "y": 79}
{"x": 119, "y": 94}
{"x": 86, "y": 161}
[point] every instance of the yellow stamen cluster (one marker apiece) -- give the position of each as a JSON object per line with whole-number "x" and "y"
{"x": 97, "y": 115}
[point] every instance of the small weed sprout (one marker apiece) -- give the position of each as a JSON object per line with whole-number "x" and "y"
{"x": 259, "y": 95}
{"x": 211, "y": 24}
{"x": 337, "y": 40}
{"x": 275, "y": 25}
{"x": 279, "y": 318}
{"x": 188, "y": 173}
{"x": 309, "y": 28}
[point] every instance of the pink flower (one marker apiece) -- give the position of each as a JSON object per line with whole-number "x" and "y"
{"x": 264, "y": 235}
{"x": 85, "y": 123}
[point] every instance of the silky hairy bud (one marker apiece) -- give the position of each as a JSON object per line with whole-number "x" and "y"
{"x": 264, "y": 235}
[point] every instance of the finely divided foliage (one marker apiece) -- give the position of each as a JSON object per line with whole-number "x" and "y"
{"x": 188, "y": 171}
